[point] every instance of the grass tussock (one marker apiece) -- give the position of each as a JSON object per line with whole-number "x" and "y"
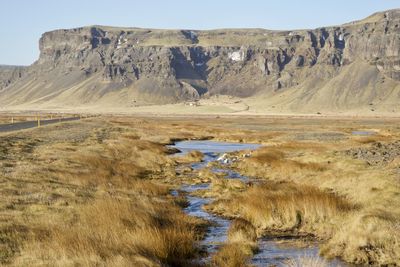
{"x": 307, "y": 261}
{"x": 296, "y": 145}
{"x": 222, "y": 185}
{"x": 284, "y": 207}
{"x": 116, "y": 230}
{"x": 192, "y": 156}
{"x": 240, "y": 246}
{"x": 267, "y": 156}
{"x": 11, "y": 235}
{"x": 276, "y": 209}
{"x": 242, "y": 231}
{"x": 231, "y": 255}
{"x": 119, "y": 163}
{"x": 270, "y": 162}
{"x": 375, "y": 136}
{"x": 367, "y": 238}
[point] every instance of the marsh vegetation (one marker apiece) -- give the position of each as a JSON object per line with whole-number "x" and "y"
{"x": 97, "y": 192}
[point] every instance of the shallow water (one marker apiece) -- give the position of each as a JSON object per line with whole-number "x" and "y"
{"x": 217, "y": 233}
{"x": 210, "y": 147}
{"x": 363, "y": 133}
{"x": 277, "y": 252}
{"x": 272, "y": 252}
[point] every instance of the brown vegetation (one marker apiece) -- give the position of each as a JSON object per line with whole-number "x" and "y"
{"x": 307, "y": 261}
{"x": 276, "y": 160}
{"x": 192, "y": 156}
{"x": 315, "y": 188}
{"x": 285, "y": 208}
{"x": 231, "y": 255}
{"x": 115, "y": 231}
{"x": 242, "y": 231}
{"x": 96, "y": 192}
{"x": 95, "y": 197}
{"x": 240, "y": 247}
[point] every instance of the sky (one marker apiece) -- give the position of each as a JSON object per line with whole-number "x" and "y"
{"x": 23, "y": 21}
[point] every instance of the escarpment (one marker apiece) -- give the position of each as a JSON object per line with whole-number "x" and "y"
{"x": 352, "y": 65}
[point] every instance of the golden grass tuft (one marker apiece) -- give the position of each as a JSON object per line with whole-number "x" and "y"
{"x": 231, "y": 255}
{"x": 276, "y": 209}
{"x": 240, "y": 247}
{"x": 242, "y": 231}
{"x": 243, "y": 234}
{"x": 273, "y": 162}
{"x": 373, "y": 138}
{"x": 282, "y": 207}
{"x": 192, "y": 156}
{"x": 114, "y": 228}
{"x": 367, "y": 238}
{"x": 296, "y": 145}
{"x": 118, "y": 164}
{"x": 307, "y": 261}
{"x": 267, "y": 155}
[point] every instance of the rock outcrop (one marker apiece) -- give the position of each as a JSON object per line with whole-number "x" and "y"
{"x": 352, "y": 65}
{"x": 9, "y": 74}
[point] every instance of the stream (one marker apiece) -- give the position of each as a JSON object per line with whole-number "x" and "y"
{"x": 273, "y": 252}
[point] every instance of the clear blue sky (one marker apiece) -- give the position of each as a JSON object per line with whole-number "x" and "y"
{"x": 23, "y": 21}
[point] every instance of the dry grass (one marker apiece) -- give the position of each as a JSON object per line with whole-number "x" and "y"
{"x": 231, "y": 255}
{"x": 118, "y": 164}
{"x": 240, "y": 247}
{"x": 309, "y": 203}
{"x": 16, "y": 117}
{"x": 111, "y": 229}
{"x": 279, "y": 208}
{"x": 59, "y": 185}
{"x": 361, "y": 229}
{"x": 192, "y": 156}
{"x": 272, "y": 162}
{"x": 367, "y": 238}
{"x": 221, "y": 185}
{"x": 91, "y": 194}
{"x": 242, "y": 231}
{"x": 371, "y": 139}
{"x": 307, "y": 261}
{"x": 296, "y": 146}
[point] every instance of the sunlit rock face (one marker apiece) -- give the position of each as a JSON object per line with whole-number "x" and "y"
{"x": 165, "y": 66}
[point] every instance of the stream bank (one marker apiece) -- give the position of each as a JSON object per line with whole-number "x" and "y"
{"x": 272, "y": 252}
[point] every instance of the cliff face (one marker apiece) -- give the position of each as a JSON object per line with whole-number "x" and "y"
{"x": 9, "y": 74}
{"x": 121, "y": 66}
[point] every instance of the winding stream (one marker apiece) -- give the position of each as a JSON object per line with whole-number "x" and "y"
{"x": 273, "y": 252}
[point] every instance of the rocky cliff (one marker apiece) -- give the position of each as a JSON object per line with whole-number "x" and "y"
{"x": 9, "y": 74}
{"x": 349, "y": 66}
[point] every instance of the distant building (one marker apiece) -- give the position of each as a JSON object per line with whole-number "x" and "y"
{"x": 194, "y": 103}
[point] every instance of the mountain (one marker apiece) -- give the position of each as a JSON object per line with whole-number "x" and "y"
{"x": 9, "y": 74}
{"x": 354, "y": 66}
